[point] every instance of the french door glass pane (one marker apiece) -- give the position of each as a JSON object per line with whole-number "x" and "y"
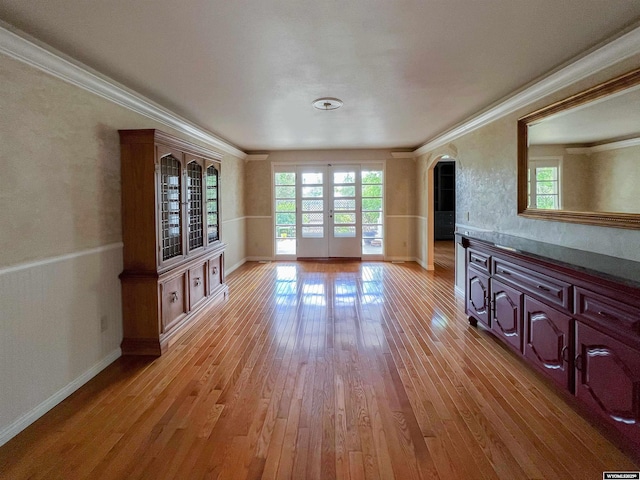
{"x": 344, "y": 204}
{"x": 312, "y": 218}
{"x": 312, "y": 178}
{"x": 344, "y": 177}
{"x": 312, "y": 205}
{"x": 344, "y": 231}
{"x": 312, "y": 192}
{"x": 342, "y": 218}
{"x": 313, "y": 232}
{"x": 344, "y": 191}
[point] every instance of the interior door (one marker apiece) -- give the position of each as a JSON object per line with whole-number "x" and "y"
{"x": 312, "y": 212}
{"x": 345, "y": 227}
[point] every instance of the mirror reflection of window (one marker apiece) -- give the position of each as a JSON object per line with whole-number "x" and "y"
{"x": 544, "y": 187}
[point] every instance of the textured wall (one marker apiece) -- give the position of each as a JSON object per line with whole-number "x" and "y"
{"x": 60, "y": 203}
{"x": 616, "y": 175}
{"x": 486, "y": 184}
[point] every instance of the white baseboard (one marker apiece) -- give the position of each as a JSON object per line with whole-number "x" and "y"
{"x": 235, "y": 266}
{"x": 260, "y": 259}
{"x": 459, "y": 291}
{"x": 22, "y": 422}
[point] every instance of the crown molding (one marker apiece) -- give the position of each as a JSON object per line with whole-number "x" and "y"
{"x": 403, "y": 154}
{"x": 49, "y": 60}
{"x": 254, "y": 157}
{"x": 623, "y": 47}
{"x": 632, "y": 142}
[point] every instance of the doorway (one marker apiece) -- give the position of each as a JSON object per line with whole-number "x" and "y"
{"x": 442, "y": 212}
{"x": 328, "y": 211}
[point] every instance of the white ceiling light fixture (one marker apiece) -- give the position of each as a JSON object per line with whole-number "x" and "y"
{"x": 327, "y": 103}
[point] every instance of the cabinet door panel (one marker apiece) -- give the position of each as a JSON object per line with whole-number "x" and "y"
{"x": 174, "y": 304}
{"x": 215, "y": 273}
{"x": 507, "y": 314}
{"x": 546, "y": 340}
{"x": 478, "y": 296}
{"x": 197, "y": 284}
{"x": 608, "y": 379}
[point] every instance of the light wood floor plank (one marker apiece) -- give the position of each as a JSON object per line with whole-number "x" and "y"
{"x": 316, "y": 370}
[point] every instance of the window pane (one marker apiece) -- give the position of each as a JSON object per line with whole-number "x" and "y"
{"x": 285, "y": 231}
{"x": 546, "y": 187}
{"x": 371, "y": 231}
{"x": 547, "y": 202}
{"x": 312, "y": 218}
{"x": 344, "y": 204}
{"x": 344, "y": 218}
{"x": 372, "y": 246}
{"x": 285, "y": 218}
{"x": 344, "y": 231}
{"x": 285, "y": 178}
{"x": 311, "y": 178}
{"x": 371, "y": 190}
{"x": 312, "y": 192}
{"x": 285, "y": 192}
{"x": 372, "y": 204}
{"x": 313, "y": 232}
{"x": 286, "y": 246}
{"x": 285, "y": 206}
{"x": 344, "y": 191}
{"x": 371, "y": 217}
{"x": 312, "y": 205}
{"x": 344, "y": 177}
{"x": 371, "y": 177}
{"x": 546, "y": 173}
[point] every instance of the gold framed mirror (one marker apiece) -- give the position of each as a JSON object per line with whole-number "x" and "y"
{"x": 579, "y": 158}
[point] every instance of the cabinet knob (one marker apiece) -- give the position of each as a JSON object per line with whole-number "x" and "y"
{"x": 214, "y": 270}
{"x": 198, "y": 281}
{"x": 174, "y": 297}
{"x": 578, "y": 363}
{"x": 565, "y": 354}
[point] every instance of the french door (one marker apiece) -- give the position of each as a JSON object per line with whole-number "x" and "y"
{"x": 320, "y": 211}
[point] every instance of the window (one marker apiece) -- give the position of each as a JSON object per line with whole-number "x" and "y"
{"x": 285, "y": 208}
{"x": 372, "y": 203}
{"x": 544, "y": 189}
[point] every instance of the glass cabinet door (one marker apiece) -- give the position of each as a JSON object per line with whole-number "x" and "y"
{"x": 195, "y": 205}
{"x": 170, "y": 206}
{"x": 213, "y": 219}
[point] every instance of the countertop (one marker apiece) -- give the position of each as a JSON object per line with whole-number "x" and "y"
{"x": 604, "y": 266}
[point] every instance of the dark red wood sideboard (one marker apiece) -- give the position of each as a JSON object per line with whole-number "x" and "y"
{"x": 572, "y": 315}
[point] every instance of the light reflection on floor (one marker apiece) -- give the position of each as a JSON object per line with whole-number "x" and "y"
{"x": 347, "y": 305}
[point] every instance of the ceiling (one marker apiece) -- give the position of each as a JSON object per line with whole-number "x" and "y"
{"x": 248, "y": 71}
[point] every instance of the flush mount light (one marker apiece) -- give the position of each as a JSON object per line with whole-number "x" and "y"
{"x": 327, "y": 103}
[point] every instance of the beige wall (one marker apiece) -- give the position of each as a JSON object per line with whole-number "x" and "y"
{"x": 486, "y": 184}
{"x": 60, "y": 251}
{"x": 616, "y": 176}
{"x": 400, "y": 206}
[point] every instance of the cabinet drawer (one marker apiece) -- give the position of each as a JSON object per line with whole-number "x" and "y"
{"x": 215, "y": 273}
{"x": 481, "y": 261}
{"x": 611, "y": 314}
{"x": 197, "y": 285}
{"x": 174, "y": 304}
{"x": 550, "y": 290}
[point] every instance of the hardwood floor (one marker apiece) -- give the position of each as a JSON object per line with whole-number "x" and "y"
{"x": 320, "y": 370}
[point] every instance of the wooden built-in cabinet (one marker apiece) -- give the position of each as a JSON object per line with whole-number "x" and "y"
{"x": 579, "y": 329}
{"x": 173, "y": 255}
